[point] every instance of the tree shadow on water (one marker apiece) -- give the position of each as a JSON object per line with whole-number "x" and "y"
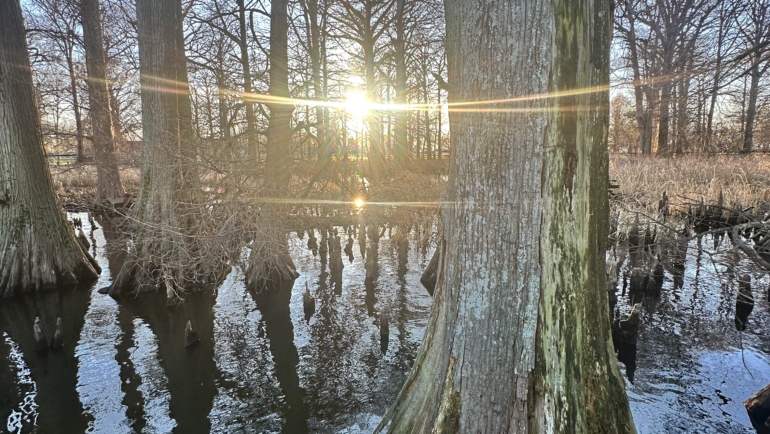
{"x": 54, "y": 371}
{"x": 191, "y": 371}
{"x": 273, "y": 303}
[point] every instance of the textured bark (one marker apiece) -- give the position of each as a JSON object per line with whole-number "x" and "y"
{"x": 167, "y": 249}
{"x": 518, "y": 339}
{"x": 279, "y": 159}
{"x": 108, "y": 178}
{"x": 270, "y": 260}
{"x": 38, "y": 248}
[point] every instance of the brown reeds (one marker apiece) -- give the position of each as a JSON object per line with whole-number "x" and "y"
{"x": 744, "y": 180}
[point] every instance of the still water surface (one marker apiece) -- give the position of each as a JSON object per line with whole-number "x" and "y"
{"x": 261, "y": 367}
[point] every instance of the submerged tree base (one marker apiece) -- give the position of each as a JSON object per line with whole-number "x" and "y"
{"x": 269, "y": 263}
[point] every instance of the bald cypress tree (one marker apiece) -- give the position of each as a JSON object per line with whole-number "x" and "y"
{"x": 518, "y": 339}
{"x": 38, "y": 248}
{"x": 169, "y": 238}
{"x": 108, "y": 183}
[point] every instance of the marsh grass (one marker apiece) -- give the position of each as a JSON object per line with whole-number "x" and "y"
{"x": 744, "y": 180}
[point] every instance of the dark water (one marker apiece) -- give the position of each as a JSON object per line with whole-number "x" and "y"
{"x": 693, "y": 368}
{"x": 260, "y": 367}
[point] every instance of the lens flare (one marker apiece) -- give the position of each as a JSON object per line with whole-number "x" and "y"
{"x": 356, "y": 104}
{"x": 359, "y": 203}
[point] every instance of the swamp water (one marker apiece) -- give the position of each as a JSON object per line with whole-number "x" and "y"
{"x": 260, "y": 367}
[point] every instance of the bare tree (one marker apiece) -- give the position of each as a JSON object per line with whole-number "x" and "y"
{"x": 168, "y": 240}
{"x": 108, "y": 178}
{"x": 56, "y": 21}
{"x": 270, "y": 258}
{"x": 38, "y": 248}
{"x": 643, "y": 63}
{"x": 755, "y": 29}
{"x": 364, "y": 22}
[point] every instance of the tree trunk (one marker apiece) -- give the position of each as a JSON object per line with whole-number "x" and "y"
{"x": 81, "y": 155}
{"x": 682, "y": 116}
{"x": 665, "y": 117}
{"x": 108, "y": 178}
{"x": 518, "y": 339}
{"x": 251, "y": 120}
{"x": 270, "y": 259}
{"x": 315, "y": 43}
{"x": 751, "y": 110}
{"x": 38, "y": 248}
{"x": 643, "y": 116}
{"x": 717, "y": 78}
{"x": 167, "y": 251}
{"x": 401, "y": 150}
{"x": 376, "y": 154}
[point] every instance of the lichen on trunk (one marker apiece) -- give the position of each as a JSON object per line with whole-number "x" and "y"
{"x": 518, "y": 338}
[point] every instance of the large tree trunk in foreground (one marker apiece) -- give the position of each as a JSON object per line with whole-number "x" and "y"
{"x": 38, "y": 248}
{"x": 108, "y": 183}
{"x": 270, "y": 259}
{"x": 519, "y": 335}
{"x": 170, "y": 231}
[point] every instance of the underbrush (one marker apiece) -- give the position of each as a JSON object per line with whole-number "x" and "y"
{"x": 743, "y": 180}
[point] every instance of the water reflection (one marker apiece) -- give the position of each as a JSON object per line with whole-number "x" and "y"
{"x": 273, "y": 303}
{"x": 191, "y": 371}
{"x": 688, "y": 368}
{"x": 130, "y": 380}
{"x": 55, "y": 372}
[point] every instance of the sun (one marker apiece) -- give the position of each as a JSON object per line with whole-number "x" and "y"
{"x": 359, "y": 203}
{"x": 356, "y": 104}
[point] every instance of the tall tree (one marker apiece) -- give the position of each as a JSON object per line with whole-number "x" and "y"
{"x": 108, "y": 183}
{"x": 270, "y": 259}
{"x": 38, "y": 248}
{"x": 167, "y": 238}
{"x": 677, "y": 25}
{"x": 756, "y": 32}
{"x": 400, "y": 145}
{"x": 316, "y": 48}
{"x": 642, "y": 59}
{"x": 279, "y": 153}
{"x": 519, "y": 335}
{"x": 57, "y": 22}
{"x": 365, "y": 22}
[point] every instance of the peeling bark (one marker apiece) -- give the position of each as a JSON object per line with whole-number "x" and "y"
{"x": 38, "y": 247}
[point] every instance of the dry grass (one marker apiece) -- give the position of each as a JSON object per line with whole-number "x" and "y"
{"x": 84, "y": 176}
{"x": 743, "y": 179}
{"x": 75, "y": 184}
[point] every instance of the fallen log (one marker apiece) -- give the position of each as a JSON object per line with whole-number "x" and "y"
{"x": 758, "y": 408}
